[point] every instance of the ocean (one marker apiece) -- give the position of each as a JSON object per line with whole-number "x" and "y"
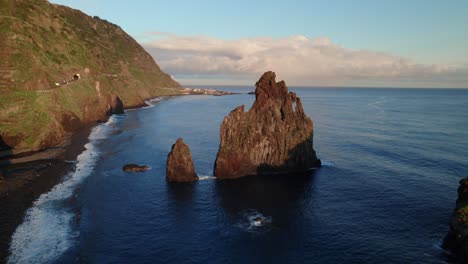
{"x": 392, "y": 159}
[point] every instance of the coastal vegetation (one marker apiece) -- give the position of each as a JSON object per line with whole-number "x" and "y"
{"x": 43, "y": 46}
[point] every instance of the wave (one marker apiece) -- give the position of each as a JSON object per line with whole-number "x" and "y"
{"x": 204, "y": 178}
{"x": 152, "y": 102}
{"x": 47, "y": 230}
{"x": 327, "y": 163}
{"x": 438, "y": 247}
{"x": 254, "y": 222}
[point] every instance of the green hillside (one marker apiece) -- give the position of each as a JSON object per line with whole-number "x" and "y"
{"x": 42, "y": 46}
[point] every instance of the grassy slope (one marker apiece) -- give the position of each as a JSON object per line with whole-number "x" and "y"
{"x": 42, "y": 44}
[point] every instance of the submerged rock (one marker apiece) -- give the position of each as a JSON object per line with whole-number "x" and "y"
{"x": 457, "y": 239}
{"x": 135, "y": 168}
{"x": 179, "y": 166}
{"x": 274, "y": 136}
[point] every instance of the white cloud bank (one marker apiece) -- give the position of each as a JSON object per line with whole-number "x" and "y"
{"x": 297, "y": 59}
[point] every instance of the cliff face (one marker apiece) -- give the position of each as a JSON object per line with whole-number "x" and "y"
{"x": 457, "y": 238}
{"x": 274, "y": 136}
{"x": 42, "y": 46}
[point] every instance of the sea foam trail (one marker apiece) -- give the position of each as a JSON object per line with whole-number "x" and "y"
{"x": 204, "y": 178}
{"x": 152, "y": 102}
{"x": 47, "y": 230}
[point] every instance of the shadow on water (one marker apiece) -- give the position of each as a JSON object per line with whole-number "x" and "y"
{"x": 274, "y": 195}
{"x": 181, "y": 198}
{"x": 181, "y": 193}
{"x": 279, "y": 202}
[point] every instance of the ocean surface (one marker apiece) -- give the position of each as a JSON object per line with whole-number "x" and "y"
{"x": 392, "y": 161}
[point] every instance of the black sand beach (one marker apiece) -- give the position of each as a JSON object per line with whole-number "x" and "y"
{"x": 23, "y": 179}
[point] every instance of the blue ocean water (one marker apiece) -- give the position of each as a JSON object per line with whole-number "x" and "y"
{"x": 392, "y": 161}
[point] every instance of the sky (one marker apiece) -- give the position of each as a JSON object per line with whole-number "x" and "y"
{"x": 370, "y": 43}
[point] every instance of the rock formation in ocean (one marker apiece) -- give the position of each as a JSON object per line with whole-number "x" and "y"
{"x": 274, "y": 137}
{"x": 135, "y": 168}
{"x": 457, "y": 238}
{"x": 179, "y": 166}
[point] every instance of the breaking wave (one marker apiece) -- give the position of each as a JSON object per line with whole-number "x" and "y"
{"x": 152, "y": 102}
{"x": 327, "y": 163}
{"x": 204, "y": 178}
{"x": 253, "y": 221}
{"x": 48, "y": 227}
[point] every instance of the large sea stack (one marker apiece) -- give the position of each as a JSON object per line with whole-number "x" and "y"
{"x": 179, "y": 166}
{"x": 457, "y": 238}
{"x": 274, "y": 137}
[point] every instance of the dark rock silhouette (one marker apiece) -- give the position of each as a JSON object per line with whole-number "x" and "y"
{"x": 275, "y": 136}
{"x": 117, "y": 106}
{"x": 457, "y": 237}
{"x": 5, "y": 151}
{"x": 179, "y": 166}
{"x": 135, "y": 168}
{"x": 3, "y": 145}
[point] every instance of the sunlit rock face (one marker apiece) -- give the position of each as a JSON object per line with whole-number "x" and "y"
{"x": 274, "y": 137}
{"x": 179, "y": 166}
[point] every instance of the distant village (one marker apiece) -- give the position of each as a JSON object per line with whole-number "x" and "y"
{"x": 205, "y": 91}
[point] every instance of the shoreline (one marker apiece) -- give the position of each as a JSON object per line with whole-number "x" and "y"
{"x": 24, "y": 180}
{"x": 24, "y": 177}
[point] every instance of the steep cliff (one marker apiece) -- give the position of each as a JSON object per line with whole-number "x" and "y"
{"x": 274, "y": 136}
{"x": 61, "y": 68}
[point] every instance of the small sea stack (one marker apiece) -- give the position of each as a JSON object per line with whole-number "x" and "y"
{"x": 274, "y": 137}
{"x": 456, "y": 240}
{"x": 179, "y": 166}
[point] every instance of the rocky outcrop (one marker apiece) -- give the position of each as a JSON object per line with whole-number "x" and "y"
{"x": 135, "y": 168}
{"x": 457, "y": 238}
{"x": 179, "y": 166}
{"x": 275, "y": 136}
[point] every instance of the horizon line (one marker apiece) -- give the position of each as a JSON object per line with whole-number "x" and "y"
{"x": 318, "y": 87}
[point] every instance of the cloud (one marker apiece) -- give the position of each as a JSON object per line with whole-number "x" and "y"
{"x": 297, "y": 59}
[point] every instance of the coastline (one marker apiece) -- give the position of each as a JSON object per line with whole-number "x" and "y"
{"x": 24, "y": 177}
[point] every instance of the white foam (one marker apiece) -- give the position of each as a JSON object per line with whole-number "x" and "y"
{"x": 152, "y": 102}
{"x": 204, "y": 178}
{"x": 254, "y": 221}
{"x": 327, "y": 163}
{"x": 438, "y": 246}
{"x": 47, "y": 230}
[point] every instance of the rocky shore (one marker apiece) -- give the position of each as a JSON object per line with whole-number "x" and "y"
{"x": 24, "y": 179}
